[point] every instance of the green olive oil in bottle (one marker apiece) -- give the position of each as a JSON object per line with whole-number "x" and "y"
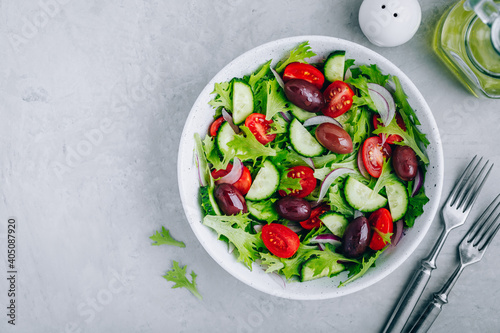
{"x": 470, "y": 47}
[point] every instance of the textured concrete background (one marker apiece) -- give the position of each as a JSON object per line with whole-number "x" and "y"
{"x": 93, "y": 98}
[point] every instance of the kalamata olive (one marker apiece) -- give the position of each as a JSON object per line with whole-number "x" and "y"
{"x": 293, "y": 208}
{"x": 229, "y": 199}
{"x": 405, "y": 162}
{"x": 305, "y": 95}
{"x": 334, "y": 138}
{"x": 357, "y": 237}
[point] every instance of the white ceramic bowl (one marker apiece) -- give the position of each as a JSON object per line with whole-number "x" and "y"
{"x": 200, "y": 118}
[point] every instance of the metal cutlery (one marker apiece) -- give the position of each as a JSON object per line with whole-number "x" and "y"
{"x": 471, "y": 250}
{"x": 454, "y": 213}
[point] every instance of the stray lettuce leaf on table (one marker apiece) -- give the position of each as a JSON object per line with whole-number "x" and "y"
{"x": 178, "y": 275}
{"x": 163, "y": 238}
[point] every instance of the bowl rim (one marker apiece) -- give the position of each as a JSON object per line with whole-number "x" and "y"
{"x": 431, "y": 207}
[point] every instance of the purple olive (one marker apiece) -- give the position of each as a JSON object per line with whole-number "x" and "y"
{"x": 229, "y": 199}
{"x": 305, "y": 95}
{"x": 293, "y": 208}
{"x": 405, "y": 163}
{"x": 357, "y": 237}
{"x": 334, "y": 138}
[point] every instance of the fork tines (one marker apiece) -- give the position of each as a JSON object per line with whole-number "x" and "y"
{"x": 486, "y": 226}
{"x": 469, "y": 184}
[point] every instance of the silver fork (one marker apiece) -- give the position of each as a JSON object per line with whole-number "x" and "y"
{"x": 454, "y": 213}
{"x": 471, "y": 250}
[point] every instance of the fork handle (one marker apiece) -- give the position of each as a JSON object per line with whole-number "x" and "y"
{"x": 433, "y": 310}
{"x": 409, "y": 299}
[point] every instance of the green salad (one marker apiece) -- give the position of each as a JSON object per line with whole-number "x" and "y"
{"x": 311, "y": 169}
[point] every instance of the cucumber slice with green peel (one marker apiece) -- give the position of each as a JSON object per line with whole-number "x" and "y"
{"x": 266, "y": 182}
{"x": 299, "y": 113}
{"x": 307, "y": 270}
{"x": 262, "y": 210}
{"x": 397, "y": 195}
{"x": 303, "y": 142}
{"x": 242, "y": 101}
{"x": 335, "y": 222}
{"x": 208, "y": 202}
{"x": 361, "y": 197}
{"x": 334, "y": 66}
{"x": 224, "y": 135}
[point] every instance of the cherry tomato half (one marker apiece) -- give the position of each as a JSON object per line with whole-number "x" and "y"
{"x": 215, "y": 126}
{"x": 314, "y": 221}
{"x": 381, "y": 220}
{"x": 392, "y": 137}
{"x": 307, "y": 181}
{"x": 298, "y": 70}
{"x": 338, "y": 97}
{"x": 373, "y": 154}
{"x": 259, "y": 126}
{"x": 242, "y": 185}
{"x": 280, "y": 240}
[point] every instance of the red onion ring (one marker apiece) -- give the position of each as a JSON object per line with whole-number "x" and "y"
{"x": 227, "y": 117}
{"x": 316, "y": 120}
{"x": 396, "y": 236}
{"x": 233, "y": 175}
{"x": 329, "y": 179}
{"x": 384, "y": 102}
{"x": 278, "y": 78}
{"x": 361, "y": 165}
{"x": 417, "y": 182}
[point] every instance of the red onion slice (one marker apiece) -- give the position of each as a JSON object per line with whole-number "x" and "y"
{"x": 417, "y": 182}
{"x": 258, "y": 228}
{"x": 307, "y": 160}
{"x": 383, "y": 101}
{"x": 201, "y": 177}
{"x": 278, "y": 78}
{"x": 361, "y": 165}
{"x": 326, "y": 238}
{"x": 396, "y": 236}
{"x": 329, "y": 179}
{"x": 286, "y": 116}
{"x": 227, "y": 117}
{"x": 233, "y": 175}
{"x": 357, "y": 214}
{"x": 320, "y": 120}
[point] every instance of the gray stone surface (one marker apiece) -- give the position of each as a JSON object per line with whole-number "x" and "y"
{"x": 93, "y": 97}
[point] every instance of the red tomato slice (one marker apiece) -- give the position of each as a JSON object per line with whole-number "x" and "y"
{"x": 243, "y": 184}
{"x": 381, "y": 220}
{"x": 259, "y": 126}
{"x": 307, "y": 181}
{"x": 314, "y": 221}
{"x": 298, "y": 70}
{"x": 338, "y": 97}
{"x": 280, "y": 240}
{"x": 392, "y": 137}
{"x": 373, "y": 154}
{"x": 215, "y": 126}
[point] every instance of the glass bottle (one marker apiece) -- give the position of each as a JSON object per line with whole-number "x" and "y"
{"x": 467, "y": 40}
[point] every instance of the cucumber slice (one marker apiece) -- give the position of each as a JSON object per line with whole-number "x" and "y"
{"x": 334, "y": 66}
{"x": 224, "y": 135}
{"x": 299, "y": 113}
{"x": 361, "y": 197}
{"x": 308, "y": 268}
{"x": 265, "y": 183}
{"x": 262, "y": 210}
{"x": 242, "y": 101}
{"x": 335, "y": 222}
{"x": 302, "y": 141}
{"x": 397, "y": 195}
{"x": 208, "y": 202}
